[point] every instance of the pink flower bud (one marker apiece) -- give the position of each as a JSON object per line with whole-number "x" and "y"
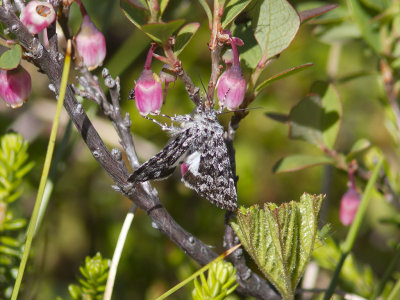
{"x": 231, "y": 85}
{"x": 15, "y": 86}
{"x": 37, "y": 15}
{"x": 90, "y": 44}
{"x": 348, "y": 206}
{"x": 148, "y": 93}
{"x": 231, "y": 88}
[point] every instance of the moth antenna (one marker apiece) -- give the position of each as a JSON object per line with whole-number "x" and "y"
{"x": 240, "y": 109}
{"x": 163, "y": 126}
{"x": 205, "y": 91}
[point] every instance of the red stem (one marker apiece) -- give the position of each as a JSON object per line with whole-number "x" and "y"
{"x": 147, "y": 64}
{"x": 81, "y": 7}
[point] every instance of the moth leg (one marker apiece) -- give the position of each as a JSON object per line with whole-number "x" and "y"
{"x": 163, "y": 126}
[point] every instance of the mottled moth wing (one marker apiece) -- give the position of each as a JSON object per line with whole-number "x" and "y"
{"x": 210, "y": 174}
{"x": 164, "y": 162}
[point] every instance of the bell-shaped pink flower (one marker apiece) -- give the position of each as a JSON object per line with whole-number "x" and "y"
{"x": 148, "y": 89}
{"x": 90, "y": 44}
{"x": 148, "y": 93}
{"x": 349, "y": 205}
{"x": 37, "y": 15}
{"x": 15, "y": 86}
{"x": 231, "y": 85}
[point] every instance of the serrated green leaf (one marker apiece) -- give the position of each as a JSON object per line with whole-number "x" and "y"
{"x": 282, "y": 75}
{"x": 137, "y": 14}
{"x": 184, "y": 36}
{"x": 11, "y": 58}
{"x": 280, "y": 239}
{"x": 369, "y": 30}
{"x": 315, "y": 119}
{"x": 275, "y": 24}
{"x": 232, "y": 9}
{"x": 161, "y": 32}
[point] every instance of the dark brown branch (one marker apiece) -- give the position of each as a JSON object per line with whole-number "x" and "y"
{"x": 141, "y": 194}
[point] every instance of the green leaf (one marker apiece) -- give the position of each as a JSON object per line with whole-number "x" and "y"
{"x": 275, "y": 24}
{"x": 10, "y": 59}
{"x": 184, "y": 36}
{"x": 343, "y": 32}
{"x": 336, "y": 15}
{"x": 207, "y": 9}
{"x": 378, "y": 5}
{"x": 161, "y": 32}
{"x": 332, "y": 116}
{"x": 358, "y": 147}
{"x": 137, "y": 14}
{"x": 282, "y": 75}
{"x": 299, "y": 162}
{"x": 369, "y": 30}
{"x": 163, "y": 6}
{"x": 232, "y": 9}
{"x": 250, "y": 52}
{"x": 315, "y": 12}
{"x": 281, "y": 239}
{"x": 315, "y": 119}
{"x": 277, "y": 117}
{"x": 220, "y": 282}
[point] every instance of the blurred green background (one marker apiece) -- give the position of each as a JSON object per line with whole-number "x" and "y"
{"x": 85, "y": 214}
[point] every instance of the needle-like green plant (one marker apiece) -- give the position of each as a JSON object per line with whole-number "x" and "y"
{"x": 14, "y": 165}
{"x": 93, "y": 281}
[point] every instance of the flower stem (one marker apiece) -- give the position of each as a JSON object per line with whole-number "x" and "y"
{"x": 354, "y": 229}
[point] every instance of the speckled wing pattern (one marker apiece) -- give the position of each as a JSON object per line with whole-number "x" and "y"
{"x": 163, "y": 164}
{"x": 200, "y": 144}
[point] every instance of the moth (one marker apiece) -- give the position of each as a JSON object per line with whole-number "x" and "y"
{"x": 199, "y": 143}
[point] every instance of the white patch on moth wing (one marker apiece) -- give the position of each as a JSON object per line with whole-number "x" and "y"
{"x": 193, "y": 160}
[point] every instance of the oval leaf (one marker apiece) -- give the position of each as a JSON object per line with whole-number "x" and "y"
{"x": 10, "y": 59}
{"x": 299, "y": 162}
{"x": 207, "y": 9}
{"x": 275, "y": 24}
{"x": 282, "y": 75}
{"x": 369, "y": 30}
{"x": 232, "y": 9}
{"x": 358, "y": 147}
{"x": 161, "y": 32}
{"x": 315, "y": 12}
{"x": 135, "y": 13}
{"x": 332, "y": 116}
{"x": 184, "y": 36}
{"x": 316, "y": 118}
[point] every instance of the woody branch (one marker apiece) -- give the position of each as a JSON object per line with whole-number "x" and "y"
{"x": 143, "y": 195}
